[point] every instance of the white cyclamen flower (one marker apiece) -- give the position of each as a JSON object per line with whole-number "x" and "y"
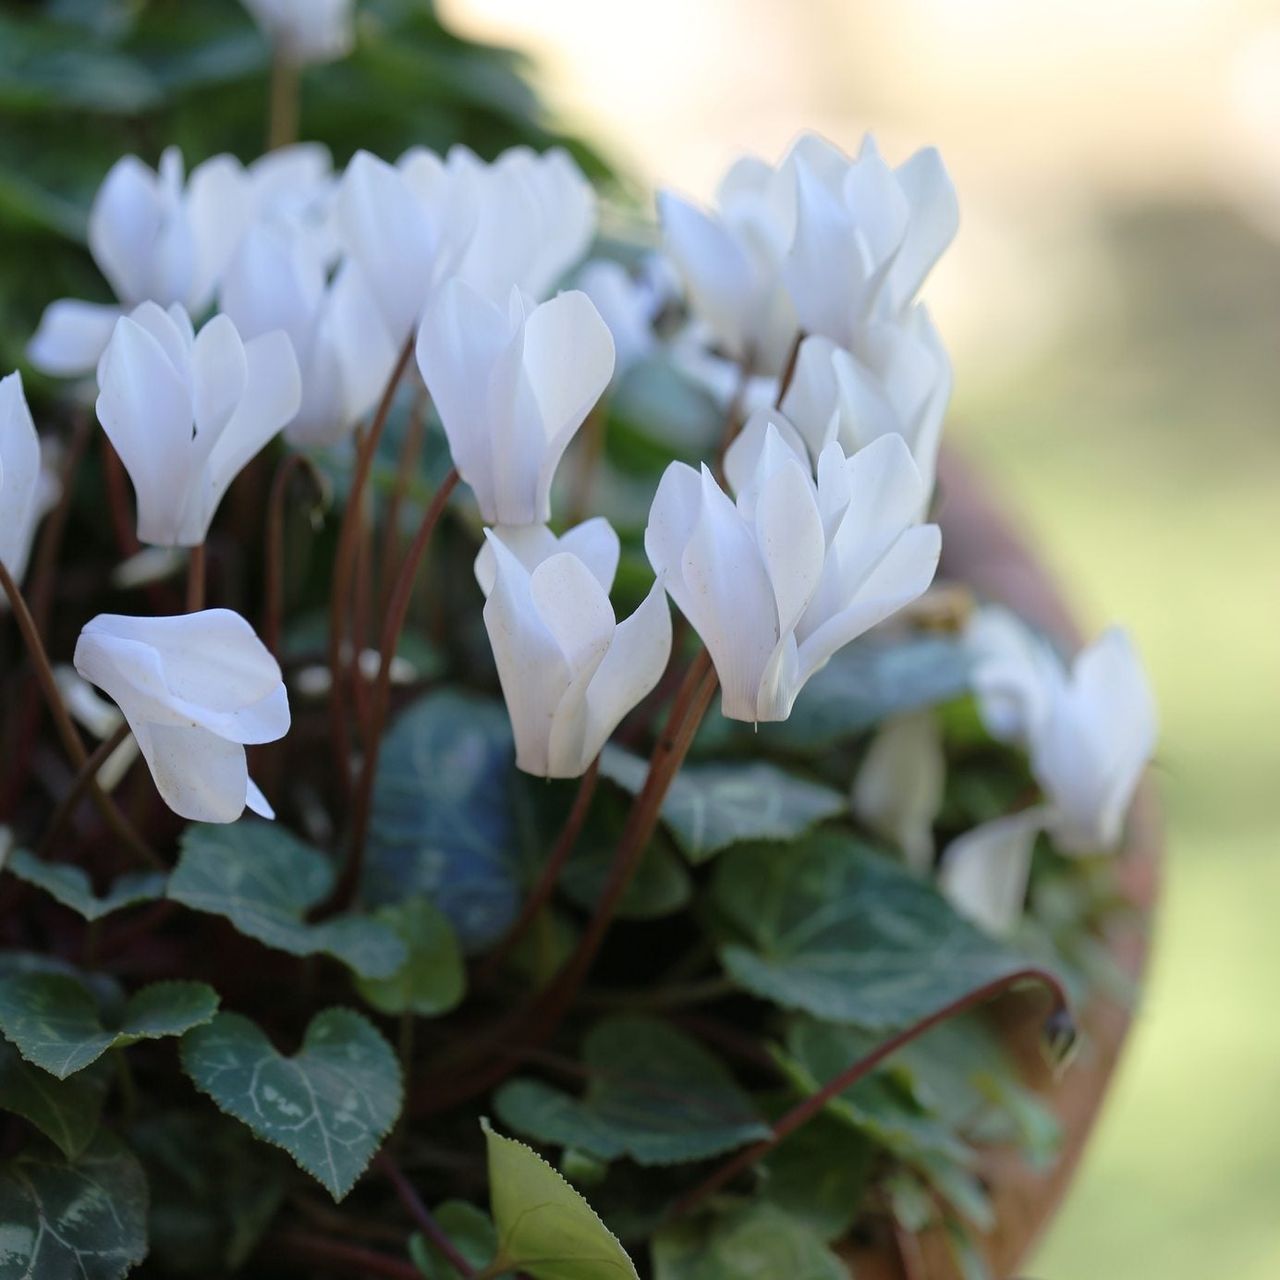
{"x": 569, "y": 670}
{"x": 778, "y": 582}
{"x": 195, "y": 690}
{"x": 407, "y": 227}
{"x": 627, "y": 304}
{"x": 23, "y": 487}
{"x": 307, "y": 31}
{"x": 157, "y": 239}
{"x": 594, "y": 542}
{"x": 535, "y": 217}
{"x": 294, "y": 189}
{"x": 187, "y": 412}
{"x": 345, "y": 354}
{"x": 512, "y": 384}
{"x": 1014, "y": 671}
{"x": 896, "y": 381}
{"x": 984, "y": 873}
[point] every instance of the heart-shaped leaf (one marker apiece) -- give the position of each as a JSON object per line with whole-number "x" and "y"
{"x": 711, "y": 806}
{"x": 432, "y": 979}
{"x": 85, "y": 1218}
{"x": 654, "y": 1094}
{"x": 65, "y": 1111}
{"x": 72, "y": 887}
{"x": 329, "y": 1106}
{"x": 264, "y": 881}
{"x": 56, "y": 1023}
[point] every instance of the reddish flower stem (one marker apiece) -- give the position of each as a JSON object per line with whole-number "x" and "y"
{"x": 806, "y": 1110}
{"x": 273, "y": 603}
{"x": 423, "y": 1216}
{"x": 196, "y": 579}
{"x": 337, "y": 1255}
{"x": 789, "y": 369}
{"x": 88, "y": 772}
{"x": 410, "y": 451}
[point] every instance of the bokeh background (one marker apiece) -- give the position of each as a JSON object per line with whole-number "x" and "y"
{"x": 1112, "y": 305}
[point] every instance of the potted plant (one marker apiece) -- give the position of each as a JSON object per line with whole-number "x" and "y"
{"x": 430, "y": 898}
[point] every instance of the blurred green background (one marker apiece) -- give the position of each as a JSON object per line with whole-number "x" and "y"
{"x": 1113, "y": 310}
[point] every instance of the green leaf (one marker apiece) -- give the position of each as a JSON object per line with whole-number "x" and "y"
{"x": 755, "y": 1242}
{"x": 653, "y": 1094}
{"x": 329, "y": 1106}
{"x": 711, "y": 806}
{"x": 55, "y": 1022}
{"x": 71, "y": 886}
{"x": 65, "y": 1111}
{"x": 264, "y": 881}
{"x": 443, "y": 823}
{"x": 85, "y": 1218}
{"x": 819, "y": 1174}
{"x": 214, "y": 1190}
{"x": 469, "y": 1229}
{"x": 843, "y": 933}
{"x": 545, "y": 1228}
{"x": 432, "y": 979}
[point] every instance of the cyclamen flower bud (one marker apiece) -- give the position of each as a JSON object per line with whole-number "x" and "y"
{"x": 778, "y": 582}
{"x": 195, "y": 689}
{"x": 21, "y": 482}
{"x": 186, "y": 412}
{"x": 569, "y": 671}
{"x": 512, "y": 385}
{"x": 307, "y": 31}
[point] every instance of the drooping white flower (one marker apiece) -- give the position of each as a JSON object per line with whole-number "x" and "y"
{"x": 780, "y": 580}
{"x": 512, "y": 384}
{"x": 101, "y": 718}
{"x": 186, "y": 412}
{"x": 535, "y": 216}
{"x": 1014, "y": 670}
{"x": 195, "y": 690}
{"x": 156, "y": 238}
{"x": 897, "y": 380}
{"x": 407, "y": 226}
{"x": 1089, "y": 751}
{"x": 569, "y": 670}
{"x": 897, "y": 791}
{"x": 345, "y": 354}
{"x": 307, "y": 31}
{"x": 22, "y": 496}
{"x": 984, "y": 872}
{"x": 628, "y": 304}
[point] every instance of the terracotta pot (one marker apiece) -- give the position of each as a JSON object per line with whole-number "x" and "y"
{"x": 984, "y": 548}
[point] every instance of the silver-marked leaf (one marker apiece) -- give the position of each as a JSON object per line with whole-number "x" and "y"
{"x": 653, "y": 1093}
{"x": 712, "y": 806}
{"x": 834, "y": 929}
{"x": 61, "y": 1219}
{"x": 755, "y": 1242}
{"x": 329, "y": 1106}
{"x": 443, "y": 824}
{"x": 545, "y": 1228}
{"x": 65, "y": 1111}
{"x": 431, "y": 981}
{"x": 264, "y": 881}
{"x": 55, "y": 1022}
{"x": 71, "y": 886}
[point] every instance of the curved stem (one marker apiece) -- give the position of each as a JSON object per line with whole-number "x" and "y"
{"x": 406, "y": 464}
{"x": 397, "y": 612}
{"x": 344, "y": 565}
{"x": 273, "y": 606}
{"x": 550, "y": 877}
{"x": 805, "y": 1111}
{"x": 789, "y": 369}
{"x": 422, "y": 1215}
{"x": 71, "y": 742}
{"x": 88, "y": 772}
{"x": 196, "y": 579}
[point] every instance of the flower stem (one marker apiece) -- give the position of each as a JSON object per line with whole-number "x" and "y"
{"x": 71, "y": 742}
{"x": 87, "y": 773}
{"x": 282, "y": 118}
{"x": 550, "y": 877}
{"x": 397, "y": 612}
{"x": 789, "y": 369}
{"x": 196, "y": 579}
{"x": 422, "y": 1215}
{"x": 273, "y": 605}
{"x": 344, "y": 566}
{"x": 333, "y": 1255}
{"x": 406, "y": 464}
{"x": 805, "y": 1111}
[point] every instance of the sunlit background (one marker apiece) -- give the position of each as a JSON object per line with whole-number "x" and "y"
{"x": 1113, "y": 309}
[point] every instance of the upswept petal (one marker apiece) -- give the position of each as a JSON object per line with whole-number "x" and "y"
{"x": 219, "y": 372}
{"x": 790, "y": 537}
{"x": 218, "y": 205}
{"x": 594, "y": 542}
{"x": 765, "y": 442}
{"x": 123, "y": 225}
{"x": 984, "y": 873}
{"x": 933, "y": 223}
{"x": 71, "y": 337}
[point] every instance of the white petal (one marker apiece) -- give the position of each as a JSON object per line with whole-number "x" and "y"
{"x": 219, "y": 372}
{"x": 759, "y": 449}
{"x": 123, "y": 225}
{"x": 934, "y": 220}
{"x": 790, "y": 536}
{"x": 258, "y": 803}
{"x": 984, "y": 872}
{"x": 71, "y": 337}
{"x": 218, "y": 205}
{"x": 19, "y": 476}
{"x": 199, "y": 775}
{"x": 594, "y": 542}
{"x": 274, "y": 281}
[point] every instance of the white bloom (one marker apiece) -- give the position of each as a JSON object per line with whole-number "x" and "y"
{"x": 569, "y": 671}
{"x": 345, "y": 354}
{"x": 1014, "y": 672}
{"x": 157, "y": 239}
{"x": 898, "y": 788}
{"x": 1096, "y": 737}
{"x": 778, "y": 582}
{"x": 535, "y": 217}
{"x": 407, "y": 227}
{"x": 306, "y": 31}
{"x": 897, "y": 380}
{"x": 23, "y": 490}
{"x": 594, "y": 542}
{"x": 627, "y": 304}
{"x": 195, "y": 689}
{"x": 294, "y": 189}
{"x": 186, "y": 413}
{"x": 101, "y": 718}
{"x": 512, "y": 384}
{"x": 984, "y": 873}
